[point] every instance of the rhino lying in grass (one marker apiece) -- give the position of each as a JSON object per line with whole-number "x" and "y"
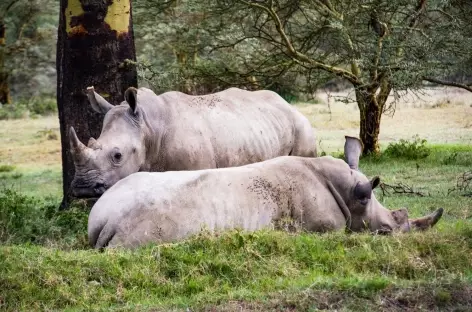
{"x": 175, "y": 131}
{"x": 322, "y": 194}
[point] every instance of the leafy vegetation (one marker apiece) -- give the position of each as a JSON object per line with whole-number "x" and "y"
{"x": 415, "y": 149}
{"x": 28, "y": 220}
{"x": 35, "y": 107}
{"x": 6, "y": 168}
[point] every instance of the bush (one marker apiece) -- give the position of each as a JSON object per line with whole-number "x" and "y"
{"x": 25, "y": 219}
{"x": 36, "y": 106}
{"x": 6, "y": 168}
{"x": 412, "y": 150}
{"x": 13, "y": 111}
{"x": 42, "y": 106}
{"x": 457, "y": 158}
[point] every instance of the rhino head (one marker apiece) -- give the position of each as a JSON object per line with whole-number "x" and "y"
{"x": 118, "y": 152}
{"x": 366, "y": 212}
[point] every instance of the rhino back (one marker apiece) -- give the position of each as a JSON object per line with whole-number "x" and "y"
{"x": 164, "y": 207}
{"x": 172, "y": 205}
{"x": 229, "y": 128}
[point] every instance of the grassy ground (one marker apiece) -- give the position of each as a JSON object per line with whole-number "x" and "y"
{"x": 46, "y": 265}
{"x": 30, "y": 156}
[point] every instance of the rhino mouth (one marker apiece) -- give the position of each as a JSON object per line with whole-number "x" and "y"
{"x": 82, "y": 191}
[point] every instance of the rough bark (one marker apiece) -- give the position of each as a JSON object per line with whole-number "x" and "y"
{"x": 95, "y": 38}
{"x": 4, "y": 87}
{"x": 370, "y": 114}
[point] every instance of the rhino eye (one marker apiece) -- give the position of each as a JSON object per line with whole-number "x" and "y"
{"x": 117, "y": 156}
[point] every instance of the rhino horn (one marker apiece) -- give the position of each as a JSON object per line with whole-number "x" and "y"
{"x": 99, "y": 104}
{"x": 78, "y": 149}
{"x": 94, "y": 144}
{"x": 428, "y": 221}
{"x": 352, "y": 151}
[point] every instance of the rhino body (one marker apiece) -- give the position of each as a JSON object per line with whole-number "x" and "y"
{"x": 322, "y": 194}
{"x": 175, "y": 131}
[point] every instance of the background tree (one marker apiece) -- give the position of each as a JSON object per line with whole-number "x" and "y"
{"x": 379, "y": 47}
{"x": 95, "y": 40}
{"x": 26, "y": 39}
{"x": 455, "y": 69}
{"x": 187, "y": 45}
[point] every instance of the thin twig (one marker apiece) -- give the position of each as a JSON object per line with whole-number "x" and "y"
{"x": 400, "y": 188}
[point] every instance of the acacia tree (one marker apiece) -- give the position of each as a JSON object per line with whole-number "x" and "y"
{"x": 455, "y": 70}
{"x": 378, "y": 46}
{"x": 95, "y": 42}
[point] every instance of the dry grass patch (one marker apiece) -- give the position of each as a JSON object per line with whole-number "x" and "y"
{"x": 451, "y": 123}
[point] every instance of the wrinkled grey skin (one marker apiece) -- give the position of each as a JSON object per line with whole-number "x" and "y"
{"x": 175, "y": 131}
{"x": 322, "y": 194}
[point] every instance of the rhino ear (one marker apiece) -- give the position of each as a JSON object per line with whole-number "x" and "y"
{"x": 352, "y": 151}
{"x": 131, "y": 97}
{"x": 99, "y": 104}
{"x": 375, "y": 182}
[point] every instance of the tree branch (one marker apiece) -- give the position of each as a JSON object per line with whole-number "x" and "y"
{"x": 296, "y": 55}
{"x": 420, "y": 7}
{"x": 449, "y": 83}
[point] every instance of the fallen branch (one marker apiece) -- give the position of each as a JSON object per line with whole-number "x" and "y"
{"x": 400, "y": 188}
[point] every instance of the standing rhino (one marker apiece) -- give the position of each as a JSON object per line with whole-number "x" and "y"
{"x": 322, "y": 194}
{"x": 175, "y": 131}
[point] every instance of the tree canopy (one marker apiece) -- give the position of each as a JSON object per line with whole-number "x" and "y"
{"x": 379, "y": 48}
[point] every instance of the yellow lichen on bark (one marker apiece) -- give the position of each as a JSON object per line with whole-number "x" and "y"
{"x": 74, "y": 9}
{"x": 118, "y": 16}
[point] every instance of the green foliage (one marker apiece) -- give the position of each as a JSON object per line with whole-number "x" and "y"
{"x": 13, "y": 111}
{"x": 29, "y": 54}
{"x": 457, "y": 158}
{"x": 36, "y": 106}
{"x": 25, "y": 219}
{"x": 414, "y": 149}
{"x": 42, "y": 105}
{"x": 6, "y": 168}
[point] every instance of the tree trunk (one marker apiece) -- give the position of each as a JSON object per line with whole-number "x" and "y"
{"x": 370, "y": 114}
{"x": 95, "y": 38}
{"x": 4, "y": 87}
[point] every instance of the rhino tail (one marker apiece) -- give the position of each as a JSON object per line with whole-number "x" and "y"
{"x": 106, "y": 235}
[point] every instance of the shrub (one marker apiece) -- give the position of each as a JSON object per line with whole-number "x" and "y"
{"x": 13, "y": 111}
{"x": 25, "y": 219}
{"x": 6, "y": 168}
{"x": 457, "y": 158}
{"x": 36, "y": 106}
{"x": 42, "y": 106}
{"x": 412, "y": 150}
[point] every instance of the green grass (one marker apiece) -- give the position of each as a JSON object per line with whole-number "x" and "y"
{"x": 46, "y": 263}
{"x": 38, "y": 181}
{"x": 207, "y": 270}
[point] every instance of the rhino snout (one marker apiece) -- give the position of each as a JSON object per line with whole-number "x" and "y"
{"x": 88, "y": 191}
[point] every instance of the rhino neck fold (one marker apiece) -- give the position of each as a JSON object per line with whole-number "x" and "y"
{"x": 152, "y": 142}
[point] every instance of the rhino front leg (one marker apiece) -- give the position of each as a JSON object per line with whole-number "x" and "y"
{"x": 426, "y": 222}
